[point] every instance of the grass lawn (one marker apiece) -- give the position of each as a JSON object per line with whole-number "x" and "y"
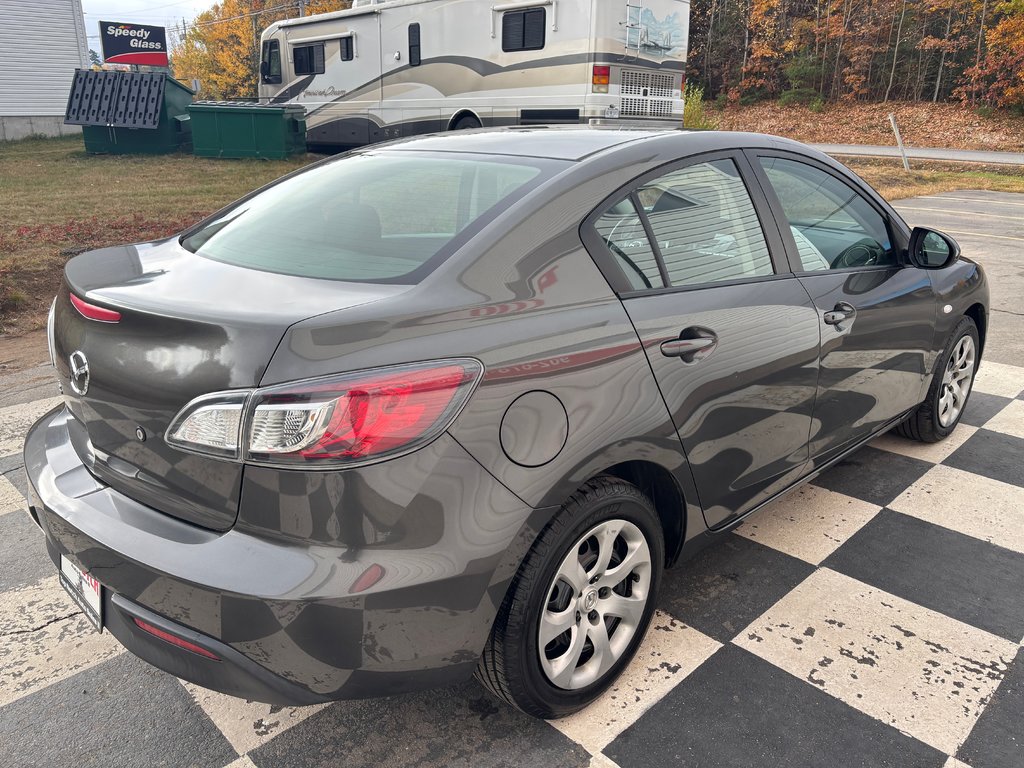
{"x": 56, "y": 201}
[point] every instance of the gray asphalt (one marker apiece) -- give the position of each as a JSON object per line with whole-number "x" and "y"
{"x": 923, "y": 153}
{"x": 990, "y": 229}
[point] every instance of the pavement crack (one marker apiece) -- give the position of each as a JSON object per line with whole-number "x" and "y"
{"x": 44, "y": 625}
{"x": 1008, "y": 312}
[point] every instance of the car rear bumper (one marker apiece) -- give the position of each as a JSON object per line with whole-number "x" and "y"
{"x": 294, "y": 620}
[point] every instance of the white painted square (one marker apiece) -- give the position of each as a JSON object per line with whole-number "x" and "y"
{"x": 16, "y": 419}
{"x": 247, "y": 724}
{"x": 999, "y": 379}
{"x": 809, "y": 523}
{"x": 670, "y": 651}
{"x": 46, "y": 639}
{"x": 931, "y": 452}
{"x": 967, "y": 503}
{"x": 922, "y": 672}
{"x": 1009, "y": 421}
{"x": 11, "y": 499}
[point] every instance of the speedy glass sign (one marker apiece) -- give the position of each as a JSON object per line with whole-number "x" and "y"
{"x": 125, "y": 43}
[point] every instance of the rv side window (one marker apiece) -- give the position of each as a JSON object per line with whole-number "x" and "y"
{"x": 270, "y": 65}
{"x": 347, "y": 51}
{"x": 309, "y": 59}
{"x": 523, "y": 30}
{"x": 414, "y": 45}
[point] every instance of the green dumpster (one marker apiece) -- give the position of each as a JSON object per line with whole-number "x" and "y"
{"x": 243, "y": 129}
{"x": 129, "y": 112}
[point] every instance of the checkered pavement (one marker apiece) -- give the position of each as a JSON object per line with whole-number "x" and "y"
{"x": 874, "y": 617}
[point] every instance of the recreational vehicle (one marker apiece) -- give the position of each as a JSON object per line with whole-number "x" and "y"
{"x": 386, "y": 69}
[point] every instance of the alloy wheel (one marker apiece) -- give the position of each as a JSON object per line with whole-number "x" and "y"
{"x": 956, "y": 381}
{"x": 595, "y": 604}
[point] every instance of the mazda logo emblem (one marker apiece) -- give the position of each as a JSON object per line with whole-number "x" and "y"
{"x": 79, "y": 368}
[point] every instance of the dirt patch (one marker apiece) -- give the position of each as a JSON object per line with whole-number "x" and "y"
{"x": 23, "y": 351}
{"x": 943, "y": 126}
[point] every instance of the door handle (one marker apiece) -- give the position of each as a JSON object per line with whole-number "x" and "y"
{"x": 841, "y": 311}
{"x": 689, "y": 350}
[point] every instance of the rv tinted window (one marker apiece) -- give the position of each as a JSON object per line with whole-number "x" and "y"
{"x": 523, "y": 30}
{"x": 270, "y": 65}
{"x": 414, "y": 45}
{"x": 346, "y": 49}
{"x": 375, "y": 217}
{"x": 309, "y": 59}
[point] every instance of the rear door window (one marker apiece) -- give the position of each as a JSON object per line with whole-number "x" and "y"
{"x": 376, "y": 216}
{"x": 705, "y": 225}
{"x": 622, "y": 231}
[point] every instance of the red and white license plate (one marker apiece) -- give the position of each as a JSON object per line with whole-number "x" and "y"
{"x": 84, "y": 590}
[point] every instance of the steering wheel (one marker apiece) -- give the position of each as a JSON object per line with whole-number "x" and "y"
{"x": 622, "y": 255}
{"x": 866, "y": 252}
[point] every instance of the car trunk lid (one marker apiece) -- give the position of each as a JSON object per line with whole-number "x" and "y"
{"x": 187, "y": 326}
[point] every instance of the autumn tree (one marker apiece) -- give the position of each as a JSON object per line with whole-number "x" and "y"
{"x": 859, "y": 49}
{"x": 221, "y": 46}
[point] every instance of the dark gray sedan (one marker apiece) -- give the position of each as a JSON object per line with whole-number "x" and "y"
{"x": 452, "y": 405}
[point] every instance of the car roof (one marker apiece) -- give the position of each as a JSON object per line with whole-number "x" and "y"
{"x": 560, "y": 142}
{"x": 577, "y": 142}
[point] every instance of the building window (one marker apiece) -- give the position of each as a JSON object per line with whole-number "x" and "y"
{"x": 414, "y": 45}
{"x": 523, "y": 30}
{"x": 347, "y": 49}
{"x": 309, "y": 59}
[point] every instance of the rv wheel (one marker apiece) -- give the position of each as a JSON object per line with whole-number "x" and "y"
{"x": 465, "y": 122}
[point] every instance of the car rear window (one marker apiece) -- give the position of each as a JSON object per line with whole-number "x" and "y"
{"x": 371, "y": 217}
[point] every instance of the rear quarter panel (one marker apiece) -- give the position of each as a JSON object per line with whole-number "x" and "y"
{"x": 526, "y": 299}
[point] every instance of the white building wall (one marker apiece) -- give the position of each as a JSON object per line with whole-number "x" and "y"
{"x": 42, "y": 42}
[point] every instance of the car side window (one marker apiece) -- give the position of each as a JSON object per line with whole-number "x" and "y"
{"x": 705, "y": 225}
{"x": 622, "y": 231}
{"x": 833, "y": 225}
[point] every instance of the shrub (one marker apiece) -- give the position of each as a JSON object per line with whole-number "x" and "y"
{"x": 695, "y": 113}
{"x": 798, "y": 96}
{"x": 817, "y": 104}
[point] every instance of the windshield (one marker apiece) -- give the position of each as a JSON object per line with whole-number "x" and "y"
{"x": 378, "y": 217}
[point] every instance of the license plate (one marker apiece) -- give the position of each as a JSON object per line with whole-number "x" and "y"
{"x": 84, "y": 590}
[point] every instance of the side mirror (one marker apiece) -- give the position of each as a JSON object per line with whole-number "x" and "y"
{"x": 930, "y": 249}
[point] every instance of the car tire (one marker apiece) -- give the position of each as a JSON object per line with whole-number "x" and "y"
{"x": 607, "y": 520}
{"x": 950, "y": 390}
{"x": 465, "y": 123}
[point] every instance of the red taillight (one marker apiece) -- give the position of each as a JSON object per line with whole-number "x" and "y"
{"x": 383, "y": 414}
{"x": 367, "y": 579}
{"x": 92, "y": 312}
{"x": 355, "y": 418}
{"x": 145, "y": 626}
{"x": 601, "y": 75}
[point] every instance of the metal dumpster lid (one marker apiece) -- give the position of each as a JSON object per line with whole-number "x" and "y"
{"x": 117, "y": 99}
{"x": 240, "y": 105}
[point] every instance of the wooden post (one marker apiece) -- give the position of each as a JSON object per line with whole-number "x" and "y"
{"x": 899, "y": 142}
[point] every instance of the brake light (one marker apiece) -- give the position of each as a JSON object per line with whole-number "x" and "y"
{"x": 145, "y": 626}
{"x": 336, "y": 421}
{"x": 360, "y": 417}
{"x": 601, "y": 78}
{"x": 93, "y": 312}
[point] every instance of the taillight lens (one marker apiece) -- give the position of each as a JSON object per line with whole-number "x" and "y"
{"x": 601, "y": 78}
{"x": 336, "y": 421}
{"x": 356, "y": 418}
{"x": 211, "y": 424}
